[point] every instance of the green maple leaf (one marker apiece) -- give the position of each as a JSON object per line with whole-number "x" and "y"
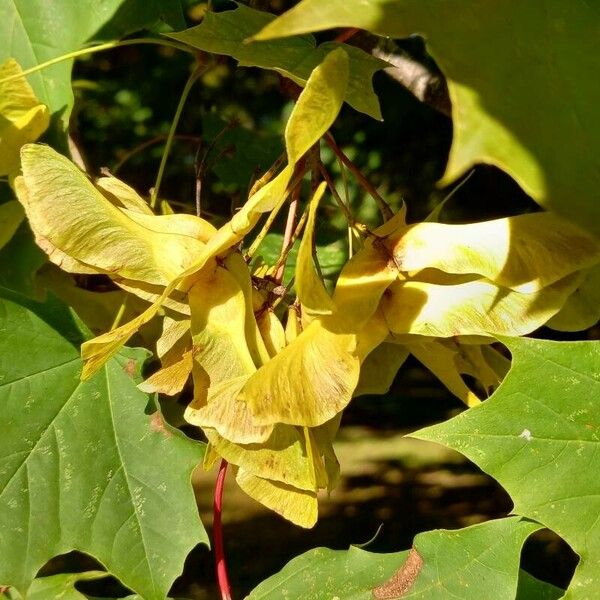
{"x": 520, "y": 80}
{"x": 539, "y": 436}
{"x": 476, "y": 562}
{"x": 228, "y": 32}
{"x": 81, "y": 466}
{"x": 34, "y": 31}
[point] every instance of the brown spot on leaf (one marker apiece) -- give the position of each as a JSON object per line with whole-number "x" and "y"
{"x": 157, "y": 423}
{"x": 402, "y": 580}
{"x": 129, "y": 367}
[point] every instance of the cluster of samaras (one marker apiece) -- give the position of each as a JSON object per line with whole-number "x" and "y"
{"x": 268, "y": 393}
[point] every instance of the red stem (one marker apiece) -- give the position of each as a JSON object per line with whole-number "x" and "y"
{"x": 347, "y": 34}
{"x": 220, "y": 565}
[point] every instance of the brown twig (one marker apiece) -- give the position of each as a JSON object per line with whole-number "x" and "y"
{"x": 280, "y": 264}
{"x": 288, "y": 231}
{"x": 327, "y": 177}
{"x": 345, "y": 35}
{"x": 200, "y": 164}
{"x": 155, "y": 140}
{"x": 383, "y": 206}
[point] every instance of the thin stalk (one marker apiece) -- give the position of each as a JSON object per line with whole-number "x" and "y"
{"x": 262, "y": 181}
{"x": 295, "y": 235}
{"x": 120, "y": 313}
{"x": 337, "y": 197}
{"x": 155, "y": 140}
{"x": 347, "y": 199}
{"x": 99, "y": 48}
{"x": 220, "y": 564}
{"x": 273, "y": 215}
{"x": 201, "y": 166}
{"x": 384, "y": 209}
{"x": 196, "y": 73}
{"x": 288, "y": 231}
{"x": 265, "y": 229}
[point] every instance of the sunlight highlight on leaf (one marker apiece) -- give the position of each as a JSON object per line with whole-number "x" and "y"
{"x": 23, "y": 118}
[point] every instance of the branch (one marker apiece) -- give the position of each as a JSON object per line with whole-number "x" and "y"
{"x": 426, "y": 85}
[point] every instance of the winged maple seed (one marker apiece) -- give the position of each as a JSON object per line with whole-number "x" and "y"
{"x": 269, "y": 398}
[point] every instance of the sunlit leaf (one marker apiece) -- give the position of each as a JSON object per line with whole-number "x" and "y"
{"x": 23, "y": 118}
{"x": 122, "y": 195}
{"x": 538, "y": 436}
{"x": 11, "y": 216}
{"x": 227, "y": 33}
{"x": 309, "y": 286}
{"x": 479, "y": 52}
{"x": 34, "y": 31}
{"x": 379, "y": 369}
{"x": 65, "y": 208}
{"x": 298, "y": 506}
{"x": 313, "y": 378}
{"x": 285, "y": 457}
{"x": 83, "y": 466}
{"x": 582, "y": 308}
{"x": 472, "y": 308}
{"x": 526, "y": 252}
{"x": 472, "y": 563}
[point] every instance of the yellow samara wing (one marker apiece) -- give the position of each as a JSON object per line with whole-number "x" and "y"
{"x": 222, "y": 357}
{"x": 218, "y": 325}
{"x": 238, "y": 268}
{"x": 582, "y": 308}
{"x": 271, "y": 331}
{"x": 174, "y": 348}
{"x": 23, "y": 118}
{"x": 313, "y": 378}
{"x": 170, "y": 378}
{"x": 472, "y": 308}
{"x": 379, "y": 369}
{"x": 308, "y": 382}
{"x": 122, "y": 195}
{"x": 524, "y": 253}
{"x": 284, "y": 457}
{"x": 309, "y": 286}
{"x": 223, "y": 412}
{"x": 302, "y": 132}
{"x": 11, "y": 216}
{"x": 293, "y": 324}
{"x": 65, "y": 208}
{"x": 298, "y": 506}
{"x": 176, "y": 223}
{"x": 362, "y": 282}
{"x": 441, "y": 361}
